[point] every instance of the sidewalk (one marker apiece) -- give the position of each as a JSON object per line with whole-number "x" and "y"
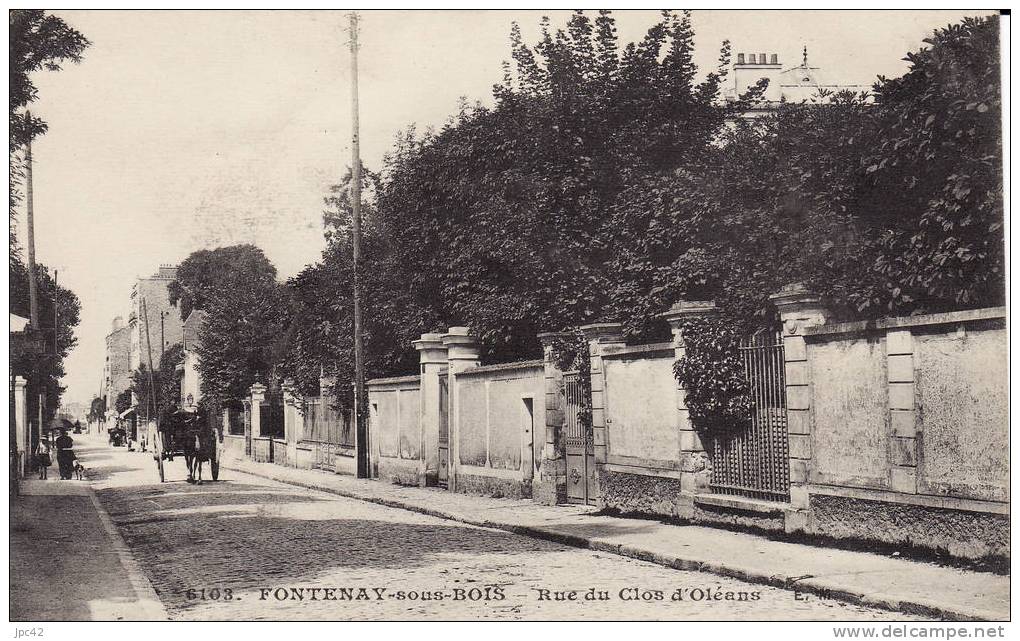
{"x": 68, "y": 562}
{"x": 858, "y": 577}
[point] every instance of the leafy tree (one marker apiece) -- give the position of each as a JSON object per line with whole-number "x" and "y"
{"x": 940, "y": 163}
{"x": 320, "y": 338}
{"x": 140, "y": 387}
{"x": 123, "y": 401}
{"x": 165, "y": 384}
{"x": 832, "y": 192}
{"x": 606, "y": 183}
{"x": 240, "y": 340}
{"x": 37, "y": 41}
{"x": 97, "y": 410}
{"x": 45, "y": 370}
{"x": 169, "y": 379}
{"x": 772, "y": 203}
{"x": 208, "y": 271}
{"x": 500, "y": 220}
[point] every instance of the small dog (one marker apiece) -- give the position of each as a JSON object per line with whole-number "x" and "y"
{"x": 79, "y": 470}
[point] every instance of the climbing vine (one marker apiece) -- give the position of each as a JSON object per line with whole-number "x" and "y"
{"x": 712, "y": 373}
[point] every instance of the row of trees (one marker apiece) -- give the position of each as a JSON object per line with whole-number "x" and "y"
{"x": 607, "y": 182}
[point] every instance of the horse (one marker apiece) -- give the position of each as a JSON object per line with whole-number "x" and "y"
{"x": 199, "y": 446}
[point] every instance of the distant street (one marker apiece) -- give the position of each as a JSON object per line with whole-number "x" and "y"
{"x": 248, "y": 548}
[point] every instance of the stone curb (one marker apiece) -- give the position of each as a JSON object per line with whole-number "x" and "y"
{"x": 149, "y": 604}
{"x": 811, "y": 585}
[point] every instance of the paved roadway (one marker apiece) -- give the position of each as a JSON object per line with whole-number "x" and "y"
{"x": 246, "y": 548}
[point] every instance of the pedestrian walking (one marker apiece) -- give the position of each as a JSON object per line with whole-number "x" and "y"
{"x": 65, "y": 454}
{"x": 42, "y": 458}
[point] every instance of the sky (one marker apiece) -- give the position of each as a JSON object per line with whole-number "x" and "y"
{"x": 187, "y": 130}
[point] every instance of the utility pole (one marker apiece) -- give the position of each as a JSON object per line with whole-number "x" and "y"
{"x": 162, "y": 337}
{"x": 152, "y": 387}
{"x": 56, "y": 313}
{"x": 361, "y": 428}
{"x": 33, "y": 293}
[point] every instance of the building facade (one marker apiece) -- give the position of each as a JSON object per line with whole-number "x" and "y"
{"x": 795, "y": 84}
{"x": 191, "y": 381}
{"x": 117, "y": 367}
{"x": 154, "y": 324}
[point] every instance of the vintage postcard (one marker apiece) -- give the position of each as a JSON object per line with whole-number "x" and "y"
{"x": 510, "y": 315}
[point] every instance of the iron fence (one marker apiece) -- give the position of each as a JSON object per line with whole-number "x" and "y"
{"x": 753, "y": 459}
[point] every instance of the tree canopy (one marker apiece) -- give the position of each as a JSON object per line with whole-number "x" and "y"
{"x": 208, "y": 271}
{"x": 97, "y": 410}
{"x": 247, "y": 317}
{"x": 56, "y": 304}
{"x": 165, "y": 384}
{"x": 37, "y": 40}
{"x": 609, "y": 180}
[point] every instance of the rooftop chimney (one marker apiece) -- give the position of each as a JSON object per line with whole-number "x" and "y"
{"x": 740, "y": 58}
{"x": 752, "y": 60}
{"x": 761, "y": 58}
{"x": 774, "y": 60}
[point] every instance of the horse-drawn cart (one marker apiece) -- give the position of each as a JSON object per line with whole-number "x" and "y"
{"x": 187, "y": 434}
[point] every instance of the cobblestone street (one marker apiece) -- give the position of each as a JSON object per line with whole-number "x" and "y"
{"x": 246, "y": 548}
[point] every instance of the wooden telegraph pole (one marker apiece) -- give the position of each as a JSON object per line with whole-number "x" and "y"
{"x": 151, "y": 405}
{"x": 33, "y": 292}
{"x": 361, "y": 428}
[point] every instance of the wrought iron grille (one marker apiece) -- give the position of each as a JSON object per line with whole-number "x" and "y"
{"x": 574, "y": 432}
{"x": 753, "y": 460}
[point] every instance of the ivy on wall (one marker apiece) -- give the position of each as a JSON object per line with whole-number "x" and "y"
{"x": 711, "y": 372}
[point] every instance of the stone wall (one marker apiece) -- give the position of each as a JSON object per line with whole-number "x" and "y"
{"x": 499, "y": 429}
{"x": 898, "y": 430}
{"x": 233, "y": 447}
{"x": 909, "y": 431}
{"x": 641, "y": 418}
{"x": 394, "y": 424}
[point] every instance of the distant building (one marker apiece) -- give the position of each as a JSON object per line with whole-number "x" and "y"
{"x": 117, "y": 366}
{"x": 191, "y": 381}
{"x": 164, "y": 328}
{"x": 796, "y": 84}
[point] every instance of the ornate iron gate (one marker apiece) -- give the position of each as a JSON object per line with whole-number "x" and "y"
{"x": 578, "y": 442}
{"x": 444, "y": 429}
{"x": 754, "y": 460}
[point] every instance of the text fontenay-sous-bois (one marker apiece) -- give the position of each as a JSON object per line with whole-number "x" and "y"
{"x": 492, "y": 593}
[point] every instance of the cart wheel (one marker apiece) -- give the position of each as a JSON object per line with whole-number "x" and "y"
{"x": 159, "y": 464}
{"x": 215, "y": 465}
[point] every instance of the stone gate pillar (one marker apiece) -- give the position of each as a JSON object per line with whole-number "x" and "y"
{"x": 695, "y": 466}
{"x": 432, "y": 357}
{"x": 600, "y": 335}
{"x": 798, "y": 309}
{"x": 293, "y": 421}
{"x": 462, "y": 353}
{"x": 550, "y": 487}
{"x": 21, "y": 436}
{"x": 258, "y": 394}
